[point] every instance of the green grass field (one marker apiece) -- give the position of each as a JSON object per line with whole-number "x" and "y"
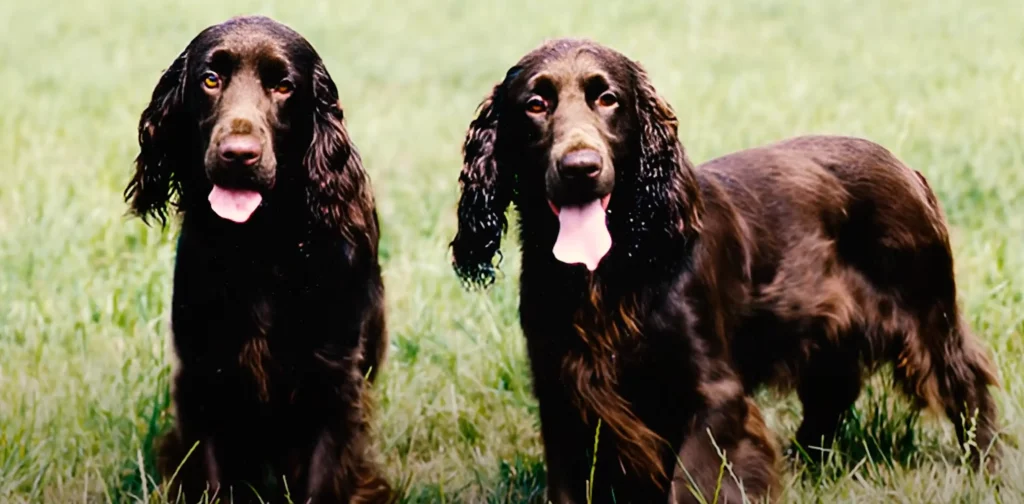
{"x": 85, "y": 292}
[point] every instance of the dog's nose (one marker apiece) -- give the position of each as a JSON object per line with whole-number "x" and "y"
{"x": 242, "y": 149}
{"x": 581, "y": 163}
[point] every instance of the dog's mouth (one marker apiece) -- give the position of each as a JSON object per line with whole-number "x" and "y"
{"x": 236, "y": 205}
{"x": 241, "y": 167}
{"x": 583, "y": 236}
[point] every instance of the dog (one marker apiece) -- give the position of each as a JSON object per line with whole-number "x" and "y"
{"x": 278, "y": 303}
{"x": 656, "y": 296}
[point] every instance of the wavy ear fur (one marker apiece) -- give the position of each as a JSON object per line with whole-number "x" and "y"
{"x": 666, "y": 197}
{"x": 338, "y": 192}
{"x": 155, "y": 181}
{"x": 487, "y": 190}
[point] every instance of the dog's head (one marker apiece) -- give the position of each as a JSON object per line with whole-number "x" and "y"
{"x": 247, "y": 107}
{"x": 577, "y": 136}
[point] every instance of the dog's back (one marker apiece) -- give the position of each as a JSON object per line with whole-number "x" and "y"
{"x": 850, "y": 267}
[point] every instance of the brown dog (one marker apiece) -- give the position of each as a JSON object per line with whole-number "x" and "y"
{"x": 655, "y": 296}
{"x": 278, "y": 309}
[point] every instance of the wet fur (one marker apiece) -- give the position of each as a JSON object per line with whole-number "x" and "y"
{"x": 803, "y": 264}
{"x": 640, "y": 344}
{"x": 277, "y": 322}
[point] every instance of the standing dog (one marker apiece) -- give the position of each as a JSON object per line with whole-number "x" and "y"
{"x": 278, "y": 303}
{"x": 655, "y": 296}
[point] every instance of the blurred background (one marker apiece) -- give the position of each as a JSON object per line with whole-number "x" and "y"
{"x": 85, "y": 291}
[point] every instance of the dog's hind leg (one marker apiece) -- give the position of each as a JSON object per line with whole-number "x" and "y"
{"x": 943, "y": 365}
{"x": 939, "y": 361}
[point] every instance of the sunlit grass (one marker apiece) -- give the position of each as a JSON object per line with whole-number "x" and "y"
{"x": 84, "y": 291}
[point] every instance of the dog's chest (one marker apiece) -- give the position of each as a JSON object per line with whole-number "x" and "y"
{"x": 261, "y": 359}
{"x": 255, "y": 362}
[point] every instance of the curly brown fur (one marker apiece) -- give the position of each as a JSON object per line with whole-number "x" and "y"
{"x": 807, "y": 263}
{"x": 278, "y": 318}
{"x": 852, "y": 269}
{"x": 636, "y": 344}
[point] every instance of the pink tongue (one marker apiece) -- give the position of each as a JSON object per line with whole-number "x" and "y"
{"x": 582, "y": 234}
{"x": 233, "y": 204}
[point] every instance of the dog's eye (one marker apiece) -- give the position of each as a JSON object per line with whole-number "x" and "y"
{"x": 284, "y": 87}
{"x": 607, "y": 99}
{"x": 211, "y": 80}
{"x": 536, "y": 105}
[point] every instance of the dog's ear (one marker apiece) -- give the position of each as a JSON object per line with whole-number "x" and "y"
{"x": 487, "y": 189}
{"x": 338, "y": 191}
{"x": 160, "y": 129}
{"x": 666, "y": 201}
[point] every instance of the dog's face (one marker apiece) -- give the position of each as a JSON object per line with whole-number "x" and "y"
{"x": 577, "y": 113}
{"x": 578, "y": 137}
{"x": 249, "y": 110}
{"x": 575, "y": 117}
{"x": 247, "y": 107}
{"x": 249, "y": 84}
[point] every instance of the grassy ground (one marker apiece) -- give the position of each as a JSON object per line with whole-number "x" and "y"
{"x": 84, "y": 292}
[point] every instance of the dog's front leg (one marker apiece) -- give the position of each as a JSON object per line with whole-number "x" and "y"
{"x": 728, "y": 452}
{"x": 336, "y": 456}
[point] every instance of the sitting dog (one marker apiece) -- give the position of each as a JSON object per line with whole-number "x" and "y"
{"x": 278, "y": 303}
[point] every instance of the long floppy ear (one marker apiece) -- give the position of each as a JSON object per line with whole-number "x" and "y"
{"x": 155, "y": 181}
{"x": 666, "y": 203}
{"x": 487, "y": 189}
{"x": 338, "y": 191}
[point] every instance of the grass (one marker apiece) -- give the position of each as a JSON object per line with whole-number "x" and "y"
{"x": 84, "y": 292}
